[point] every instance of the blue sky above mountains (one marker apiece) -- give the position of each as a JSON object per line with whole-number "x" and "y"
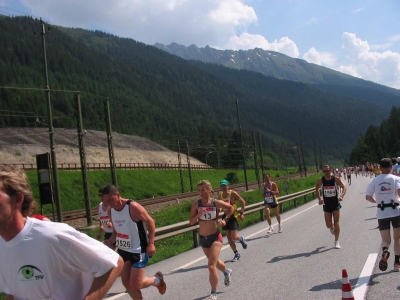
{"x": 360, "y": 38}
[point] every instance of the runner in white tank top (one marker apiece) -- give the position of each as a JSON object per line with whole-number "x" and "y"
{"x": 131, "y": 222}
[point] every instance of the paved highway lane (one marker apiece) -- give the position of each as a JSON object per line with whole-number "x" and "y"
{"x": 299, "y": 263}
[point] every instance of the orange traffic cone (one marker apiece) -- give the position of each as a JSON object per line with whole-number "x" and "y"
{"x": 347, "y": 292}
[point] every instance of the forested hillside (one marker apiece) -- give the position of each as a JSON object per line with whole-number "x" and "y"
{"x": 163, "y": 97}
{"x": 379, "y": 141}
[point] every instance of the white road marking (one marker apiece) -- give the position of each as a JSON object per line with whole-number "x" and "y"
{"x": 116, "y": 296}
{"x": 362, "y": 283}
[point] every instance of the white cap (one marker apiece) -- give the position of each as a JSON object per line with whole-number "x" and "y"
{"x": 398, "y": 159}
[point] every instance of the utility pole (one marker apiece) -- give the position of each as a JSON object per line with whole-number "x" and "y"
{"x": 261, "y": 155}
{"x": 56, "y": 188}
{"x": 180, "y": 167}
{"x": 315, "y": 156}
{"x": 82, "y": 156}
{"x": 109, "y": 141}
{"x": 190, "y": 170}
{"x": 302, "y": 154}
{"x": 255, "y": 158}
{"x": 241, "y": 143}
{"x": 320, "y": 158}
{"x": 298, "y": 156}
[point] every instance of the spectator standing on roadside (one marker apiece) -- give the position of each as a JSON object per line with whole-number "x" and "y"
{"x": 329, "y": 186}
{"x": 386, "y": 188}
{"x": 134, "y": 232}
{"x": 35, "y": 256}
{"x": 232, "y": 226}
{"x": 270, "y": 194}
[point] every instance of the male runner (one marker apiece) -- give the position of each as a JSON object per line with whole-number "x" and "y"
{"x": 329, "y": 186}
{"x": 130, "y": 220}
{"x": 105, "y": 222}
{"x": 232, "y": 226}
{"x": 47, "y": 260}
{"x": 386, "y": 188}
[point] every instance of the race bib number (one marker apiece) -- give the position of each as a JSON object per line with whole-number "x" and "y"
{"x": 123, "y": 241}
{"x": 329, "y": 191}
{"x": 209, "y": 213}
{"x": 268, "y": 199}
{"x": 104, "y": 220}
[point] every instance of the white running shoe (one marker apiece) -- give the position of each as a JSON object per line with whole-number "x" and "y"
{"x": 332, "y": 229}
{"x": 280, "y": 228}
{"x": 227, "y": 279}
{"x": 212, "y": 297}
{"x": 270, "y": 229}
{"x": 336, "y": 245}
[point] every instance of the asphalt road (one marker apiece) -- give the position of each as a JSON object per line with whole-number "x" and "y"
{"x": 299, "y": 263}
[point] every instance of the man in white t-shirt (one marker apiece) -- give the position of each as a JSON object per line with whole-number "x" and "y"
{"x": 386, "y": 188}
{"x": 47, "y": 260}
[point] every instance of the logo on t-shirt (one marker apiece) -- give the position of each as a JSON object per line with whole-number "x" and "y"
{"x": 29, "y": 272}
{"x": 385, "y": 188}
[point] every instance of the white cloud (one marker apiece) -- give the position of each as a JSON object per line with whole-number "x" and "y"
{"x": 394, "y": 38}
{"x": 325, "y": 59}
{"x": 233, "y": 13}
{"x": 360, "y": 61}
{"x": 205, "y": 22}
{"x": 250, "y": 41}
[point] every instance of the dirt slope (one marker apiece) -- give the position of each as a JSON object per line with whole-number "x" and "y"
{"x": 20, "y": 145}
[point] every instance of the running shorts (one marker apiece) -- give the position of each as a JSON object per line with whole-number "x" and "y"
{"x": 231, "y": 224}
{"x": 207, "y": 241}
{"x": 138, "y": 260}
{"x": 331, "y": 207}
{"x": 384, "y": 224}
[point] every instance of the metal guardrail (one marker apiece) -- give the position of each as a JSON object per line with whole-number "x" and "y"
{"x": 183, "y": 227}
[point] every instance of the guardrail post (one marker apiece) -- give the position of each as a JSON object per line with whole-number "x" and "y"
{"x": 262, "y": 215}
{"x": 196, "y": 242}
{"x": 305, "y": 198}
{"x": 295, "y": 202}
{"x": 280, "y": 208}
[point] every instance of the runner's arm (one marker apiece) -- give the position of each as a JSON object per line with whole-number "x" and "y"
{"x": 241, "y": 200}
{"x": 340, "y": 183}
{"x": 275, "y": 189}
{"x": 229, "y": 210}
{"x": 318, "y": 189}
{"x": 113, "y": 238}
{"x": 102, "y": 284}
{"x": 139, "y": 213}
{"x": 194, "y": 213}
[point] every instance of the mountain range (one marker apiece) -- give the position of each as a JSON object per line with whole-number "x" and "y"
{"x": 164, "y": 97}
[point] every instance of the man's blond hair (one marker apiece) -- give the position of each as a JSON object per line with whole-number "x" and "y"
{"x": 16, "y": 182}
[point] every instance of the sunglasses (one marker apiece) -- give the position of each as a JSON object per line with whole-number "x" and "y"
{"x": 326, "y": 171}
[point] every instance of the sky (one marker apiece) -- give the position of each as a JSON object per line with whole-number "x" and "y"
{"x": 359, "y": 38}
